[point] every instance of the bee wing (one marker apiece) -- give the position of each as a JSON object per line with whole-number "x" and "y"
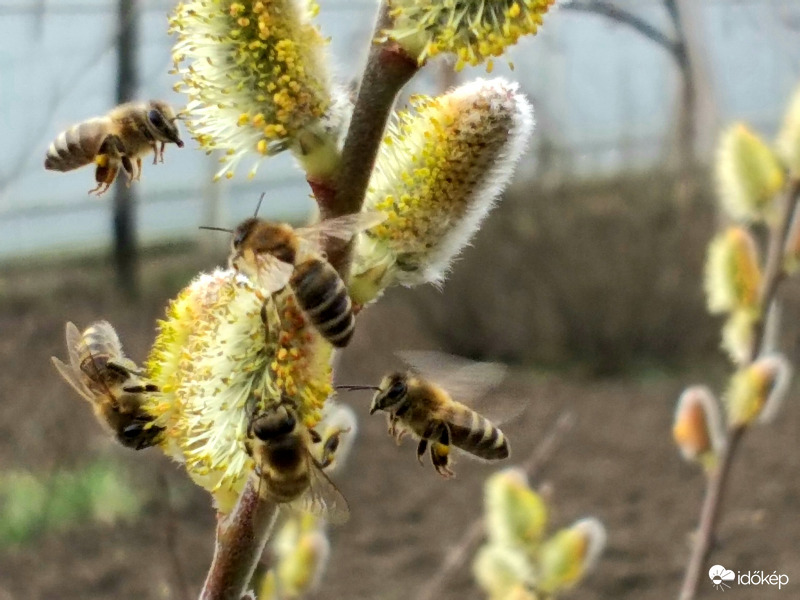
{"x": 343, "y": 228}
{"x": 74, "y": 341}
{"x": 273, "y": 274}
{"x": 464, "y": 379}
{"x": 323, "y": 498}
{"x": 71, "y": 377}
{"x": 468, "y": 382}
{"x": 109, "y": 334}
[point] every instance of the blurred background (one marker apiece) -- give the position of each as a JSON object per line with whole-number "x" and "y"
{"x": 586, "y": 279}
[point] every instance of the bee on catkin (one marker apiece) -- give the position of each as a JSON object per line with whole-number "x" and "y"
{"x": 101, "y": 374}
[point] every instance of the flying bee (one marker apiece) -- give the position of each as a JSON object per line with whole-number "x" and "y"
{"x": 101, "y": 373}
{"x": 421, "y": 402}
{"x": 276, "y": 254}
{"x": 116, "y": 140}
{"x": 281, "y": 449}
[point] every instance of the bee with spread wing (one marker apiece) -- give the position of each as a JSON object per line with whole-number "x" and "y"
{"x": 101, "y": 374}
{"x": 422, "y": 402}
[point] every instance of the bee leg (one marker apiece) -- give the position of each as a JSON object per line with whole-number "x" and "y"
{"x": 138, "y": 169}
{"x": 155, "y": 152}
{"x": 130, "y": 171}
{"x": 421, "y": 447}
{"x": 104, "y": 175}
{"x": 316, "y": 438}
{"x": 440, "y": 452}
{"x": 161, "y": 152}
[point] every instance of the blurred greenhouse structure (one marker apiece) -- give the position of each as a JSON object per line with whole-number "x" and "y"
{"x": 606, "y": 99}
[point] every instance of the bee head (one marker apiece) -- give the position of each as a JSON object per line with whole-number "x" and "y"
{"x": 273, "y": 424}
{"x": 161, "y": 119}
{"x": 392, "y": 390}
{"x": 264, "y": 237}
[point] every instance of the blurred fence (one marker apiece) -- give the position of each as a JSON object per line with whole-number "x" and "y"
{"x": 605, "y": 102}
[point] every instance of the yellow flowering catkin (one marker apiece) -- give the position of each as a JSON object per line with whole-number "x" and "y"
{"x": 218, "y": 363}
{"x": 472, "y": 30}
{"x": 255, "y": 75}
{"x": 438, "y": 173}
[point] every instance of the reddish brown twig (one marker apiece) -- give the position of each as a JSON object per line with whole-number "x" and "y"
{"x": 718, "y": 479}
{"x": 241, "y": 537}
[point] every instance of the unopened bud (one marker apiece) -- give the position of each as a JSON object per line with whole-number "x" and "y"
{"x": 757, "y": 391}
{"x": 732, "y": 274}
{"x": 499, "y": 569}
{"x": 300, "y": 571}
{"x": 697, "y": 429}
{"x": 748, "y": 173}
{"x": 515, "y": 514}
{"x": 791, "y": 260}
{"x": 737, "y": 335}
{"x": 567, "y": 556}
{"x": 789, "y": 136}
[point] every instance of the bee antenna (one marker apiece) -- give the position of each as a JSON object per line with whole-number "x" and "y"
{"x": 258, "y": 206}
{"x": 357, "y": 387}
{"x": 216, "y": 228}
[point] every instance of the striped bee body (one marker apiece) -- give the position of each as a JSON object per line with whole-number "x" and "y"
{"x": 323, "y": 297}
{"x": 79, "y": 145}
{"x": 477, "y": 435}
{"x": 115, "y": 141}
{"x": 427, "y": 411}
{"x": 110, "y": 382}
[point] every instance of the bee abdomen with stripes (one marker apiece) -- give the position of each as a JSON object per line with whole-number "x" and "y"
{"x": 480, "y": 437}
{"x": 77, "y": 146}
{"x": 323, "y": 297}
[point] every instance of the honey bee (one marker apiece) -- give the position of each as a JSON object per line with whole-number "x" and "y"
{"x": 276, "y": 254}
{"x": 101, "y": 373}
{"x": 280, "y": 447}
{"x": 116, "y": 140}
{"x": 420, "y": 402}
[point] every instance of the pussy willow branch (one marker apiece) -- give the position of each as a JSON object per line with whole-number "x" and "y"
{"x": 466, "y": 546}
{"x": 241, "y": 537}
{"x": 388, "y": 69}
{"x": 718, "y": 479}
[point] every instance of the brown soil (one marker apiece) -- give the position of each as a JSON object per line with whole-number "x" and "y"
{"x": 617, "y": 463}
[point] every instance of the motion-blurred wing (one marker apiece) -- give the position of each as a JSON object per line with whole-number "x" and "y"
{"x": 343, "y": 228}
{"x": 466, "y": 381}
{"x": 273, "y": 274}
